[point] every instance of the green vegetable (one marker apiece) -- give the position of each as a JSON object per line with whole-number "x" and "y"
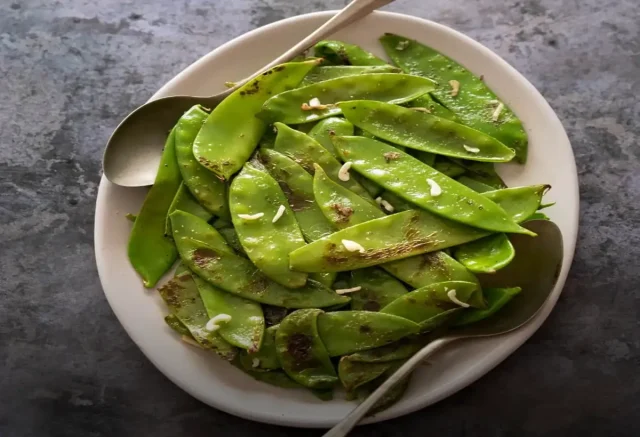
{"x": 423, "y": 131}
{"x": 519, "y": 202}
{"x": 423, "y": 304}
{"x": 346, "y": 332}
{"x": 307, "y": 152}
{"x": 227, "y": 231}
{"x": 447, "y": 167}
{"x": 496, "y": 299}
{"x": 292, "y": 107}
{"x": 174, "y": 323}
{"x": 484, "y": 172}
{"x": 400, "y": 350}
{"x": 246, "y": 327}
{"x": 151, "y": 252}
{"x": 342, "y": 53}
{"x": 320, "y": 74}
{"x": 325, "y": 129}
{"x": 267, "y": 244}
{"x": 264, "y": 358}
{"x": 301, "y": 352}
{"x": 426, "y": 104}
{"x": 486, "y": 255}
{"x": 206, "y": 254}
{"x": 354, "y": 374}
{"x": 182, "y": 297}
{"x": 378, "y": 289}
{"x": 474, "y": 104}
{"x": 184, "y": 201}
{"x": 416, "y": 182}
{"x": 424, "y": 157}
{"x": 206, "y": 187}
{"x": 232, "y": 132}
{"x": 474, "y": 184}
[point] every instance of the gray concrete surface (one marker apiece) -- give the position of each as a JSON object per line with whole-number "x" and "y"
{"x": 70, "y": 70}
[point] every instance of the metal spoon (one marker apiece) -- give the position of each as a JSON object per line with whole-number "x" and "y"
{"x": 535, "y": 268}
{"x": 133, "y": 152}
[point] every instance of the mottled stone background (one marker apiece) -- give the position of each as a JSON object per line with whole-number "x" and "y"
{"x": 70, "y": 70}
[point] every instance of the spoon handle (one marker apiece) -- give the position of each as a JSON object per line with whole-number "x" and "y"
{"x": 343, "y": 428}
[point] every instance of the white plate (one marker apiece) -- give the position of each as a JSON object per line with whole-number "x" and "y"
{"x": 217, "y": 383}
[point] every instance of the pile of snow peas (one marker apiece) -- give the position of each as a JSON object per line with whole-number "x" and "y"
{"x": 331, "y": 215}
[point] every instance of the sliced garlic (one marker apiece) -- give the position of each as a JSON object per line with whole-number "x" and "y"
{"x": 402, "y": 45}
{"x": 435, "y": 188}
{"x": 496, "y": 114}
{"x": 352, "y": 246}
{"x": 384, "y": 204}
{"x": 251, "y": 216}
{"x": 214, "y": 324}
{"x": 255, "y": 363}
{"x": 315, "y": 102}
{"x": 280, "y": 213}
{"x": 455, "y": 87}
{"x": 451, "y": 294}
{"x": 348, "y": 290}
{"x": 343, "y": 174}
{"x": 471, "y": 149}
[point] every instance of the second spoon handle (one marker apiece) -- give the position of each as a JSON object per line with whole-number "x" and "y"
{"x": 352, "y": 419}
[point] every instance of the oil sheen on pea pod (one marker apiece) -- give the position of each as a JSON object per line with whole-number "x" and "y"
{"x": 486, "y": 255}
{"x": 423, "y": 186}
{"x": 206, "y": 253}
{"x": 346, "y": 332}
{"x": 320, "y": 73}
{"x": 406, "y": 234}
{"x": 184, "y": 201}
{"x": 377, "y": 289}
{"x": 342, "y": 53}
{"x": 422, "y": 131}
{"x": 255, "y": 200}
{"x": 183, "y": 299}
{"x": 205, "y": 186}
{"x": 301, "y": 351}
{"x": 459, "y": 90}
{"x": 264, "y": 358}
{"x": 232, "y": 131}
{"x": 425, "y": 303}
{"x": 293, "y": 107}
{"x": 246, "y": 327}
{"x": 150, "y": 251}
{"x": 306, "y": 151}
{"x": 325, "y": 129}
{"x": 497, "y": 298}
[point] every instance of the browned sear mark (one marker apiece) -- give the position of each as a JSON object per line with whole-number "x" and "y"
{"x": 344, "y": 212}
{"x": 390, "y": 156}
{"x": 203, "y": 255}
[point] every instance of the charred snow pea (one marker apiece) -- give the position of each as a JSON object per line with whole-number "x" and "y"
{"x": 496, "y": 299}
{"x": 378, "y": 289}
{"x": 354, "y": 374}
{"x": 460, "y": 91}
{"x": 206, "y": 253}
{"x": 391, "y": 397}
{"x": 486, "y": 255}
{"x": 423, "y": 186}
{"x": 265, "y": 224}
{"x": 346, "y": 332}
{"x": 301, "y": 352}
{"x": 400, "y": 350}
{"x": 231, "y": 132}
{"x": 342, "y": 53}
{"x": 246, "y": 327}
{"x": 306, "y": 151}
{"x": 184, "y": 201}
{"x": 150, "y": 251}
{"x": 422, "y": 131}
{"x": 182, "y": 297}
{"x": 423, "y": 304}
{"x": 325, "y": 129}
{"x": 320, "y": 74}
{"x": 174, "y": 323}
{"x": 264, "y": 358}
{"x": 302, "y": 105}
{"x": 205, "y": 186}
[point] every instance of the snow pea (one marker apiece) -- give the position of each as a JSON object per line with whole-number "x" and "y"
{"x": 484, "y": 172}
{"x": 320, "y": 74}
{"x": 400, "y": 350}
{"x": 391, "y": 397}
{"x": 428, "y": 104}
{"x": 486, "y": 255}
{"x": 396, "y": 202}
{"x": 496, "y": 299}
{"x": 474, "y": 103}
{"x": 276, "y": 378}
{"x": 231, "y": 132}
{"x": 150, "y": 251}
{"x": 354, "y": 374}
{"x": 346, "y": 332}
{"x": 474, "y": 184}
{"x": 342, "y": 53}
{"x": 182, "y": 297}
{"x": 227, "y": 231}
{"x": 423, "y": 304}
{"x": 424, "y": 157}
{"x": 325, "y": 129}
{"x": 301, "y": 352}
{"x": 297, "y": 185}
{"x": 267, "y": 244}
{"x": 264, "y": 358}
{"x": 378, "y": 289}
{"x": 210, "y": 191}
{"x": 306, "y": 151}
{"x": 407, "y": 233}
{"x": 246, "y": 327}
{"x": 287, "y": 107}
{"x": 184, "y": 201}
{"x": 423, "y": 131}
{"x": 413, "y": 180}
{"x": 174, "y": 323}
{"x": 206, "y": 253}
